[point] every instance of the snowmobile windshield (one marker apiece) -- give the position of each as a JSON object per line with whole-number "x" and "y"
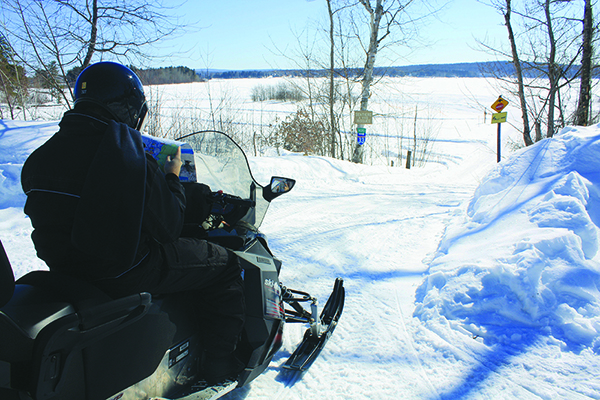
{"x": 222, "y": 165}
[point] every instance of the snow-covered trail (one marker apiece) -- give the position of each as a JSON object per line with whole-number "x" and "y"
{"x": 374, "y": 227}
{"x": 379, "y": 228}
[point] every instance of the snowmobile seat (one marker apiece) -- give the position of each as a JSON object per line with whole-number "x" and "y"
{"x": 39, "y": 298}
{"x": 21, "y": 344}
{"x": 59, "y": 335}
{"x": 64, "y": 334}
{"x": 9, "y": 332}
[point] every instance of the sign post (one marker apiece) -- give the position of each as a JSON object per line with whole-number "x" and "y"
{"x": 498, "y": 118}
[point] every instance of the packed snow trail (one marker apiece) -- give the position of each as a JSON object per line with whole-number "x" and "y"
{"x": 373, "y": 227}
{"x": 378, "y": 228}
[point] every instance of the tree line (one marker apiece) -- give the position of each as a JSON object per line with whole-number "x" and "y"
{"x": 488, "y": 69}
{"x": 167, "y": 75}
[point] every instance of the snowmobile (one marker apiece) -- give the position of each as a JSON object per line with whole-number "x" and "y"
{"x": 64, "y": 339}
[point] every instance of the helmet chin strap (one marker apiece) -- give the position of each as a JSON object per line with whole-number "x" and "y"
{"x": 90, "y": 105}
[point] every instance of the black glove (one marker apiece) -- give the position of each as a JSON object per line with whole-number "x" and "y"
{"x": 232, "y": 208}
{"x": 198, "y": 202}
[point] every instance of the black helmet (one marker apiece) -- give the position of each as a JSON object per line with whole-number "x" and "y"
{"x": 115, "y": 88}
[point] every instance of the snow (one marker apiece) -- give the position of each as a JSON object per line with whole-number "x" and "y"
{"x": 464, "y": 279}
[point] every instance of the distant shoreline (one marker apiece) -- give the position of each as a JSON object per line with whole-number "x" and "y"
{"x": 454, "y": 70}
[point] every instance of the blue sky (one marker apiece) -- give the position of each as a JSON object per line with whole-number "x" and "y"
{"x": 244, "y": 34}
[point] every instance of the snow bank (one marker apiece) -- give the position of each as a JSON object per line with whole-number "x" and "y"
{"x": 523, "y": 259}
{"x": 17, "y": 140}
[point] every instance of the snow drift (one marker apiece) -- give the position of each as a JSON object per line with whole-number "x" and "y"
{"x": 17, "y": 140}
{"x": 523, "y": 259}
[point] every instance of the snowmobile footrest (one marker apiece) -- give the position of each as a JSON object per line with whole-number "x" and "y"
{"x": 203, "y": 391}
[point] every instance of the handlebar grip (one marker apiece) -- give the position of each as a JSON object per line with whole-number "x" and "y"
{"x": 233, "y": 200}
{"x": 240, "y": 202}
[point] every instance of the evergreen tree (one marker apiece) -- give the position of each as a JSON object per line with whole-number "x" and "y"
{"x": 49, "y": 78}
{"x": 12, "y": 78}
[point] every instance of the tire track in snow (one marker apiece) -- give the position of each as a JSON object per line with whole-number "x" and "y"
{"x": 325, "y": 234}
{"x": 413, "y": 351}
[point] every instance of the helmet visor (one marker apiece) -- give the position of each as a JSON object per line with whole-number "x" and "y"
{"x": 142, "y": 120}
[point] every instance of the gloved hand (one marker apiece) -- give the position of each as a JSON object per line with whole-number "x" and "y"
{"x": 198, "y": 202}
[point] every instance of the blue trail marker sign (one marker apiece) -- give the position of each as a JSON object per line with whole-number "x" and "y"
{"x": 361, "y": 135}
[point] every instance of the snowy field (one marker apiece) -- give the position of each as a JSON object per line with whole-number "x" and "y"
{"x": 449, "y": 111}
{"x": 465, "y": 279}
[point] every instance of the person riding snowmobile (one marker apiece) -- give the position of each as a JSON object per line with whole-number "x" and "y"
{"x": 103, "y": 211}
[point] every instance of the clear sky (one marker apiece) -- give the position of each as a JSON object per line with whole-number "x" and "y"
{"x": 245, "y": 34}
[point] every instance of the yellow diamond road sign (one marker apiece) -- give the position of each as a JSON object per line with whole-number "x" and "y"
{"x": 499, "y": 104}
{"x": 363, "y": 117}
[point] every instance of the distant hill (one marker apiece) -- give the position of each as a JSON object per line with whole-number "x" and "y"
{"x": 462, "y": 70}
{"x": 476, "y": 69}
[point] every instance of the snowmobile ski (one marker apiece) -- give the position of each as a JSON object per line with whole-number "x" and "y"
{"x": 313, "y": 342}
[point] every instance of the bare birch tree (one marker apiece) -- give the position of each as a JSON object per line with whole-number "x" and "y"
{"x": 355, "y": 27}
{"x": 332, "y": 119}
{"x": 70, "y": 33}
{"x": 390, "y": 22}
{"x": 582, "y": 115}
{"x": 519, "y": 72}
{"x": 554, "y": 73}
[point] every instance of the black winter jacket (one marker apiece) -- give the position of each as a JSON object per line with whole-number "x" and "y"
{"x": 98, "y": 204}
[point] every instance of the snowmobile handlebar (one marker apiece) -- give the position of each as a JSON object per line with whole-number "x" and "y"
{"x": 226, "y": 209}
{"x": 224, "y": 198}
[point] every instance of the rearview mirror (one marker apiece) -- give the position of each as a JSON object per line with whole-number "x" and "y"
{"x": 277, "y": 187}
